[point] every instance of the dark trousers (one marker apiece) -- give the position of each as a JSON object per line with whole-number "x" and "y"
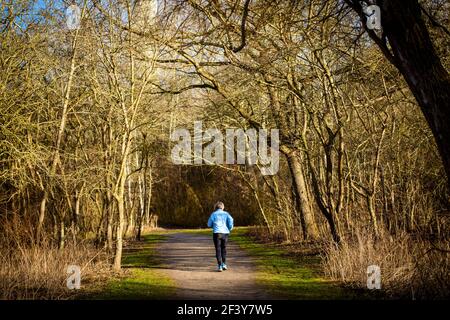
{"x": 220, "y": 242}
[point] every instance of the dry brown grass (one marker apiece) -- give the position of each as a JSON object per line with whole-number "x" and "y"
{"x": 28, "y": 271}
{"x": 410, "y": 268}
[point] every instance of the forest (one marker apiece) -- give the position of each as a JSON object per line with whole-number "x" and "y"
{"x": 355, "y": 117}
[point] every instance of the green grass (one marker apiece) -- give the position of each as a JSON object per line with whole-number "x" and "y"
{"x": 143, "y": 279}
{"x": 289, "y": 276}
{"x": 283, "y": 274}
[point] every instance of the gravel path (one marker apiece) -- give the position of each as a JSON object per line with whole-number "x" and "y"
{"x": 189, "y": 259}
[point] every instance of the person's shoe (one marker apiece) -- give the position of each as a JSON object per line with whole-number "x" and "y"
{"x": 220, "y": 268}
{"x": 224, "y": 266}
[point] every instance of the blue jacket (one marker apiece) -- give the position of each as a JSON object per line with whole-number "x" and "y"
{"x": 220, "y": 221}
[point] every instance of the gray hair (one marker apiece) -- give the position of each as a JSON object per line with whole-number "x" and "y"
{"x": 219, "y": 205}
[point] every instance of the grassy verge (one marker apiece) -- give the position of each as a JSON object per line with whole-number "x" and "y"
{"x": 289, "y": 276}
{"x": 284, "y": 274}
{"x": 142, "y": 279}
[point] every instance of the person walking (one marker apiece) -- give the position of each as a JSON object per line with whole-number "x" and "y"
{"x": 222, "y": 223}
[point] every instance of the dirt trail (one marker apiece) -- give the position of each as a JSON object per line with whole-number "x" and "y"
{"x": 189, "y": 259}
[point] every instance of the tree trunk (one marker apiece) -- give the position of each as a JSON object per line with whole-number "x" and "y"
{"x": 413, "y": 54}
{"x": 309, "y": 226}
{"x": 119, "y": 195}
{"x": 62, "y": 235}
{"x": 109, "y": 222}
{"x": 59, "y": 138}
{"x": 141, "y": 200}
{"x": 119, "y": 232}
{"x": 42, "y": 208}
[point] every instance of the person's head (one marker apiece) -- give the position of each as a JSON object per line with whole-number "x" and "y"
{"x": 219, "y": 205}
